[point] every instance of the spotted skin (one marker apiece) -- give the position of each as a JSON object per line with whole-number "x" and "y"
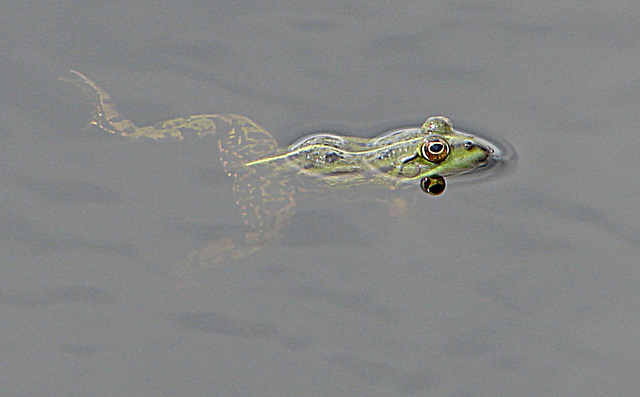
{"x": 266, "y": 177}
{"x": 266, "y": 204}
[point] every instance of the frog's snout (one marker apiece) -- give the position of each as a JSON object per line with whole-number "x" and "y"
{"x": 485, "y": 146}
{"x": 470, "y": 145}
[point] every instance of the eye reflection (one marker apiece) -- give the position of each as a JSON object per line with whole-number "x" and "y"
{"x": 433, "y": 185}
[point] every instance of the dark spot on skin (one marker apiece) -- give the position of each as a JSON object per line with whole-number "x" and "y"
{"x": 332, "y": 157}
{"x": 384, "y": 154}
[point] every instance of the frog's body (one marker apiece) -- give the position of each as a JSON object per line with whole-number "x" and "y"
{"x": 266, "y": 176}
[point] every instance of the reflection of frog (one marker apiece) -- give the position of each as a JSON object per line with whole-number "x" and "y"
{"x": 267, "y": 177}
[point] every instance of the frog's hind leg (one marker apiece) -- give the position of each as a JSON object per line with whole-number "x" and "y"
{"x": 244, "y": 141}
{"x": 266, "y": 200}
{"x": 107, "y": 117}
{"x": 105, "y": 114}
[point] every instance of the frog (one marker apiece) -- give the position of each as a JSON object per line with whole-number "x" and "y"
{"x": 268, "y": 178}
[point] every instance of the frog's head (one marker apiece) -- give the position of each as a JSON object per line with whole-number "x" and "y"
{"x": 448, "y": 152}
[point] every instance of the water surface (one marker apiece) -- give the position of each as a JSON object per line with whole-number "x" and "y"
{"x": 522, "y": 285}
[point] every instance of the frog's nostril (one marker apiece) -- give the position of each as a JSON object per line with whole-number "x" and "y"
{"x": 485, "y": 147}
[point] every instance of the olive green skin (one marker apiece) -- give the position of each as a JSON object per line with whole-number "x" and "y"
{"x": 391, "y": 160}
{"x": 267, "y": 177}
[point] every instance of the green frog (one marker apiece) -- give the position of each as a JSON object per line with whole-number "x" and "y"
{"x": 267, "y": 178}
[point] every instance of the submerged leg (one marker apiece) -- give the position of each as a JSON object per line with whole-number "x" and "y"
{"x": 107, "y": 117}
{"x": 240, "y": 138}
{"x": 266, "y": 202}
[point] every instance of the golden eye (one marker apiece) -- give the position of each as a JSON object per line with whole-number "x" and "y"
{"x": 435, "y": 149}
{"x": 433, "y": 185}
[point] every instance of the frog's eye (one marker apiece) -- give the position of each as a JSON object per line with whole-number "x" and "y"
{"x": 435, "y": 149}
{"x": 433, "y": 185}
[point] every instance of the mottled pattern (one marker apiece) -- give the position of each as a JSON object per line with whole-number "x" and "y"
{"x": 266, "y": 203}
{"x": 265, "y": 176}
{"x": 401, "y": 157}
